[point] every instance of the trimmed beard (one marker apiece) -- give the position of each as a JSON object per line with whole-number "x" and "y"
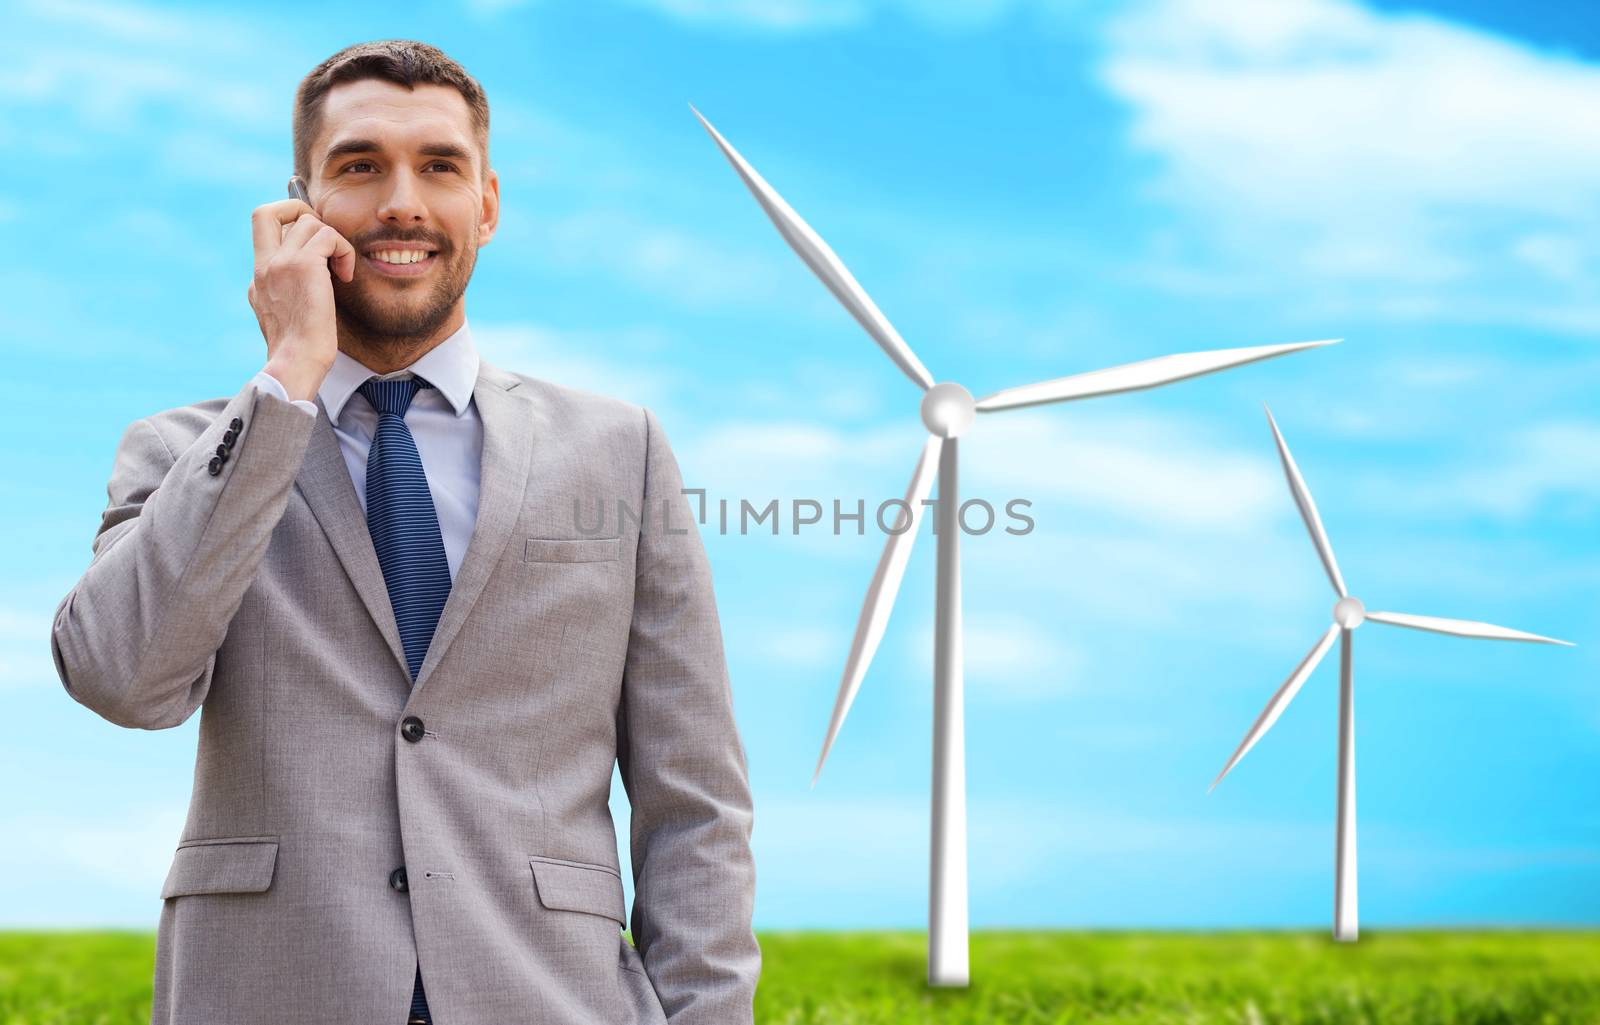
{"x": 384, "y": 327}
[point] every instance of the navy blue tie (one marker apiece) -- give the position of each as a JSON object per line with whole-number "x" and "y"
{"x": 405, "y": 533}
{"x": 402, "y": 520}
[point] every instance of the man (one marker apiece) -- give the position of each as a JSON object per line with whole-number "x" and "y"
{"x": 416, "y": 670}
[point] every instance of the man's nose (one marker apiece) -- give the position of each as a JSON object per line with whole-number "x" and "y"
{"x": 403, "y": 201}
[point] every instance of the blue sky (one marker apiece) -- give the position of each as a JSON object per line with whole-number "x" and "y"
{"x": 1027, "y": 189}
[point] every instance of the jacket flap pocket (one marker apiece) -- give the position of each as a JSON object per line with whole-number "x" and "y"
{"x": 222, "y": 868}
{"x": 586, "y": 549}
{"x": 567, "y": 886}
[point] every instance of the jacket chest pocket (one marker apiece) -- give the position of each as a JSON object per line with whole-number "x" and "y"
{"x": 588, "y": 549}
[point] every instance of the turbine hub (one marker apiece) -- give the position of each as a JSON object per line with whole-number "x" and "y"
{"x": 1349, "y": 613}
{"x": 948, "y": 409}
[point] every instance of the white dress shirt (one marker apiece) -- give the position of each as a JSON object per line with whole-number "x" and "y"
{"x": 443, "y": 419}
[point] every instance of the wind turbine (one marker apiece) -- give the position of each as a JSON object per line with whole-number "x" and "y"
{"x": 1348, "y": 613}
{"x": 947, "y": 410}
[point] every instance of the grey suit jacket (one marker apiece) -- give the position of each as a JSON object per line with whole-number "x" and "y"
{"x": 255, "y": 594}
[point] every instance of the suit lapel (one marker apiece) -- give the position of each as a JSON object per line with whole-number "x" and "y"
{"x": 508, "y": 431}
{"x": 325, "y": 482}
{"x": 508, "y": 435}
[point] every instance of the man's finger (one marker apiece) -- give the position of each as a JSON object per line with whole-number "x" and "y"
{"x": 267, "y": 223}
{"x": 300, "y": 233}
{"x": 340, "y": 253}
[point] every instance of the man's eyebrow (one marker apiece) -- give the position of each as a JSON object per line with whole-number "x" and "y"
{"x": 350, "y": 147}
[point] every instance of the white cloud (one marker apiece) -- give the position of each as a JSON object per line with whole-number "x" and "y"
{"x": 543, "y": 153}
{"x": 1007, "y": 661}
{"x": 764, "y": 14}
{"x": 1150, "y": 519}
{"x": 146, "y": 26}
{"x": 601, "y": 361}
{"x": 123, "y": 58}
{"x": 756, "y": 461}
{"x": 665, "y": 260}
{"x": 1166, "y": 470}
{"x": 780, "y": 16}
{"x": 1444, "y": 170}
{"x": 111, "y": 74}
{"x": 1269, "y": 100}
{"x": 131, "y": 849}
{"x": 216, "y": 156}
{"x": 1552, "y": 466}
{"x": 802, "y": 645}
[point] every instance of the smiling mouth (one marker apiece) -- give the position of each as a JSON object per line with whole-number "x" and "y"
{"x": 401, "y": 262}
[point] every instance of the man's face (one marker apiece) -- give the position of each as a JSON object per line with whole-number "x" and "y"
{"x": 396, "y": 170}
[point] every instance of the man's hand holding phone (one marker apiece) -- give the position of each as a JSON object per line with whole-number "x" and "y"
{"x": 292, "y": 291}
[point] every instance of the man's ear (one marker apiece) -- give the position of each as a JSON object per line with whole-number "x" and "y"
{"x": 490, "y": 218}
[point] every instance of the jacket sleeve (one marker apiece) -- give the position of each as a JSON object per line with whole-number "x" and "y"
{"x": 684, "y": 770}
{"x": 136, "y": 638}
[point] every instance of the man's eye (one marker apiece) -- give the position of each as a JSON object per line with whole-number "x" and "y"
{"x": 356, "y": 165}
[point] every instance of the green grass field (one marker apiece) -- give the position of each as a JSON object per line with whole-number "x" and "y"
{"x": 1398, "y": 978}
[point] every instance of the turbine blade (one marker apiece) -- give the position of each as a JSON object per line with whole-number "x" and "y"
{"x": 1461, "y": 628}
{"x": 1308, "y": 508}
{"x": 880, "y": 596}
{"x": 827, "y": 266}
{"x": 1132, "y": 376}
{"x": 1279, "y": 702}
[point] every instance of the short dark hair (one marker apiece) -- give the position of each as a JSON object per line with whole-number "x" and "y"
{"x": 401, "y": 61}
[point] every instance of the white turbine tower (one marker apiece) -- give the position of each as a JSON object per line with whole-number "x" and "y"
{"x": 1348, "y": 613}
{"x": 947, "y": 410}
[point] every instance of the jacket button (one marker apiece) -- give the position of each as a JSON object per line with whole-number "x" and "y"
{"x": 229, "y": 437}
{"x": 411, "y": 728}
{"x": 236, "y": 424}
{"x": 215, "y": 466}
{"x": 397, "y": 879}
{"x": 222, "y": 450}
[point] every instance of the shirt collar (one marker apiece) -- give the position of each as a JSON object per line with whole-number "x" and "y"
{"x": 451, "y": 366}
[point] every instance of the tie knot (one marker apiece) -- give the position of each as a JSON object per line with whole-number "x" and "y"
{"x": 392, "y": 396}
